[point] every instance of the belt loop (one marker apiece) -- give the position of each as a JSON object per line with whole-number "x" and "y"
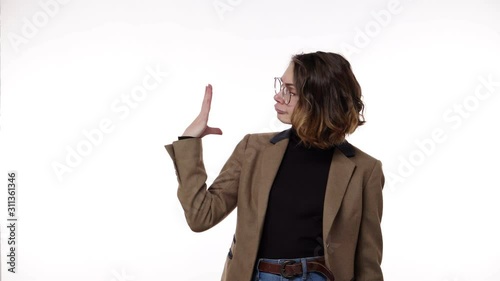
{"x": 257, "y": 271}
{"x": 304, "y": 268}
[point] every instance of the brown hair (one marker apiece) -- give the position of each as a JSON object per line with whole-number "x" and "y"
{"x": 329, "y": 105}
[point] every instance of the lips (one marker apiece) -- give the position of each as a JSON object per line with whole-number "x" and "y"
{"x": 279, "y": 111}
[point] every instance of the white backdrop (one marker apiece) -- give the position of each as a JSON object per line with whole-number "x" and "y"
{"x": 92, "y": 90}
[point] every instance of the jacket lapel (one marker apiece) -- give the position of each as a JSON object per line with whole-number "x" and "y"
{"x": 341, "y": 170}
{"x": 271, "y": 160}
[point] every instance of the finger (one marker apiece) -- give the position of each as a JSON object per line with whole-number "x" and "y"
{"x": 213, "y": 131}
{"x": 207, "y": 101}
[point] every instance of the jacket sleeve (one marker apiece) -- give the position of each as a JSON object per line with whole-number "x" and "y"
{"x": 369, "y": 246}
{"x": 204, "y": 208}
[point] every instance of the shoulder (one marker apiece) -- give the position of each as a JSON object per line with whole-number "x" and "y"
{"x": 259, "y": 141}
{"x": 362, "y": 155}
{"x": 365, "y": 162}
{"x": 262, "y": 139}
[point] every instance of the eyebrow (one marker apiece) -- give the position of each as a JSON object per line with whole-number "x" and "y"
{"x": 287, "y": 84}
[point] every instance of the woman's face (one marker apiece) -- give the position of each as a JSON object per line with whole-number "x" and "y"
{"x": 285, "y": 110}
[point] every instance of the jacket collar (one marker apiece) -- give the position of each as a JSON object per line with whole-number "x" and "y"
{"x": 345, "y": 147}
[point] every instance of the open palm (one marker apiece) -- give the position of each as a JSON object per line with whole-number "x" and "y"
{"x": 199, "y": 127}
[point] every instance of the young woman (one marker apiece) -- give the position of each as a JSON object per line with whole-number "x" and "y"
{"x": 309, "y": 203}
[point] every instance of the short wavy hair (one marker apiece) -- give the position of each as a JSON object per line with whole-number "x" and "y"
{"x": 329, "y": 105}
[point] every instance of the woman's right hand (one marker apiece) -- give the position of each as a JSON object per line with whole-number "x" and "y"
{"x": 199, "y": 128}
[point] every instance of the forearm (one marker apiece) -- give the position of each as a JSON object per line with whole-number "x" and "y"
{"x": 204, "y": 207}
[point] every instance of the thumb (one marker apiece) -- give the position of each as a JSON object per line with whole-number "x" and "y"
{"x": 212, "y": 131}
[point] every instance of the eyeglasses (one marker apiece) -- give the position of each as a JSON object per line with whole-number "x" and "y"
{"x": 279, "y": 88}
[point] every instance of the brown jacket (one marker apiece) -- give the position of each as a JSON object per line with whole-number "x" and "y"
{"x": 352, "y": 213}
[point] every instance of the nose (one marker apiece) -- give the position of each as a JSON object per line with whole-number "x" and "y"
{"x": 278, "y": 98}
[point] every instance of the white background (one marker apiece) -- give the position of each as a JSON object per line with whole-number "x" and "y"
{"x": 114, "y": 214}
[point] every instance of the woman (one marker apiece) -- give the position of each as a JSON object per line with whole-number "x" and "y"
{"x": 309, "y": 203}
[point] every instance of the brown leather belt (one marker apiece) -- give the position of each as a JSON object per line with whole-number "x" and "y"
{"x": 291, "y": 268}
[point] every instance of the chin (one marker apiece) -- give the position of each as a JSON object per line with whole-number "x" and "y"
{"x": 284, "y": 120}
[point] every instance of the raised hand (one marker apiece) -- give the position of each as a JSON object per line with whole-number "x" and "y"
{"x": 199, "y": 127}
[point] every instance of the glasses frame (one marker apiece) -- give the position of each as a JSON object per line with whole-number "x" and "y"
{"x": 283, "y": 90}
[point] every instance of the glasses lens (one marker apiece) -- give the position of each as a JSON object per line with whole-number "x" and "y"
{"x": 286, "y": 95}
{"x": 277, "y": 85}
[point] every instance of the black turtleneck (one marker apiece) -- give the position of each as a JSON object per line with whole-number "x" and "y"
{"x": 294, "y": 216}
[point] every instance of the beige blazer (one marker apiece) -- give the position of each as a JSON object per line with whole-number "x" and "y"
{"x": 352, "y": 211}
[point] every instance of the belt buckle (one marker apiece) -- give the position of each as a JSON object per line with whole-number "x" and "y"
{"x": 287, "y": 262}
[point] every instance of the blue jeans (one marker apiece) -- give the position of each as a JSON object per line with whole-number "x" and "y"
{"x": 306, "y": 276}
